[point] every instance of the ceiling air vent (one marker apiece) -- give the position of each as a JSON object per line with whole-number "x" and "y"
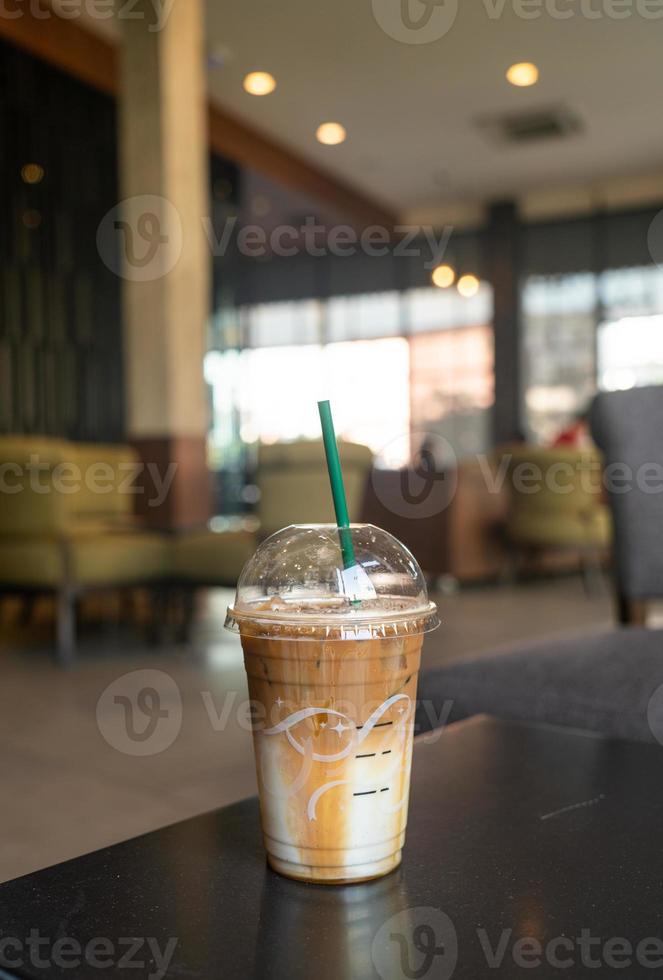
{"x": 552, "y": 122}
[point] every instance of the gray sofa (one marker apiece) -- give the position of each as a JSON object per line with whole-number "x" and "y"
{"x": 609, "y": 682}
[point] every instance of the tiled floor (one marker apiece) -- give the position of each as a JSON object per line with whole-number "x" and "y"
{"x": 66, "y": 789}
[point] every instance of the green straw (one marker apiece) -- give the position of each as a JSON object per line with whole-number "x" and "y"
{"x": 336, "y": 481}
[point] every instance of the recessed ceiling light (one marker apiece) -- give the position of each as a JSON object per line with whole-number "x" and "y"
{"x": 468, "y": 286}
{"x": 259, "y": 83}
{"x": 523, "y": 74}
{"x": 330, "y": 133}
{"x": 443, "y": 276}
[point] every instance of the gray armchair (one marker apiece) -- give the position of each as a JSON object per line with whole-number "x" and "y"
{"x": 628, "y": 428}
{"x": 607, "y": 681}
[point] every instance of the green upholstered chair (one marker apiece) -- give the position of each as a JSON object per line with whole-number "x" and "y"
{"x": 208, "y": 558}
{"x": 556, "y": 502}
{"x": 294, "y": 486}
{"x": 66, "y": 525}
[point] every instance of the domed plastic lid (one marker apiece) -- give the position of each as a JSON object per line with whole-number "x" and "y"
{"x": 296, "y": 586}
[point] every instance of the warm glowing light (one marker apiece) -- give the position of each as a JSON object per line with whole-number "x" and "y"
{"x": 32, "y": 173}
{"x": 259, "y": 83}
{"x": 468, "y": 286}
{"x": 32, "y": 219}
{"x": 523, "y": 74}
{"x": 443, "y": 276}
{"x": 330, "y": 133}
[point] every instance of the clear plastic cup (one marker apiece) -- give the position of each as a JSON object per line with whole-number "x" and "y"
{"x": 332, "y": 657}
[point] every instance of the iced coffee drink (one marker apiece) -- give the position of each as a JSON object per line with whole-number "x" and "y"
{"x": 332, "y": 681}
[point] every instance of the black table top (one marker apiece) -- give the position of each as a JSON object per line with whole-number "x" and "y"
{"x": 518, "y": 837}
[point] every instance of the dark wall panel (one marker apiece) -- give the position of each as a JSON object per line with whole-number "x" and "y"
{"x": 60, "y": 307}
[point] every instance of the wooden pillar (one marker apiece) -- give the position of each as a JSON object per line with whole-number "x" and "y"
{"x": 165, "y": 256}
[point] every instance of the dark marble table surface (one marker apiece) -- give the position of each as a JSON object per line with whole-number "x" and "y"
{"x": 531, "y": 852}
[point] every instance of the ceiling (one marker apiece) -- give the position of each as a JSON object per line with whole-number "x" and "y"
{"x": 411, "y": 110}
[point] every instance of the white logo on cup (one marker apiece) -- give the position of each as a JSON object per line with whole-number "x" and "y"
{"x": 140, "y": 239}
{"x": 416, "y": 943}
{"x": 140, "y": 713}
{"x": 350, "y": 738}
{"x": 415, "y": 21}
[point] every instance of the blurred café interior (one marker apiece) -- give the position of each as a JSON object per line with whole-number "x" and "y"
{"x": 216, "y": 214}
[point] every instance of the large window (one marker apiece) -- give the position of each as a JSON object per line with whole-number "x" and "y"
{"x": 586, "y": 332}
{"x": 275, "y": 390}
{"x": 630, "y": 334}
{"x": 452, "y": 387}
{"x": 559, "y": 350}
{"x": 396, "y": 366}
{"x": 630, "y": 352}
